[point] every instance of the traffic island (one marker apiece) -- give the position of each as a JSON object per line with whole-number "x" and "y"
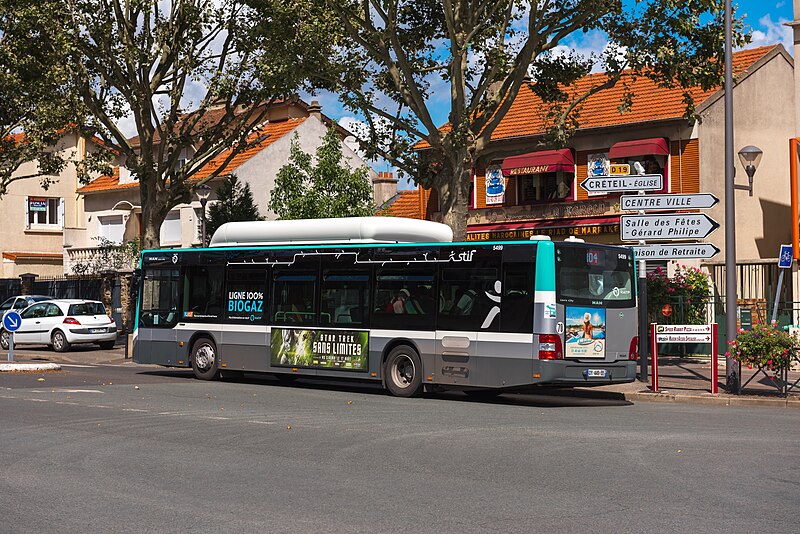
{"x": 19, "y": 367}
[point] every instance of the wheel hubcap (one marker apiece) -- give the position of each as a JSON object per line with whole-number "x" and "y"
{"x": 403, "y": 371}
{"x": 204, "y": 357}
{"x": 58, "y": 341}
{"x": 4, "y": 339}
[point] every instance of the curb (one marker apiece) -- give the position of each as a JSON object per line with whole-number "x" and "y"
{"x": 712, "y": 400}
{"x": 17, "y": 367}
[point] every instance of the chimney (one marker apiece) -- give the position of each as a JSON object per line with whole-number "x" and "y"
{"x": 384, "y": 187}
{"x": 315, "y": 109}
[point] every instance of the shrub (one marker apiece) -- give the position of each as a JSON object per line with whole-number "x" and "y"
{"x": 690, "y": 285}
{"x": 764, "y": 346}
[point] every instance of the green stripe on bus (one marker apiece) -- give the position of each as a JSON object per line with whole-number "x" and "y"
{"x": 545, "y": 266}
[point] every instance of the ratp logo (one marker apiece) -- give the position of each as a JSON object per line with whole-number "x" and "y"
{"x": 174, "y": 258}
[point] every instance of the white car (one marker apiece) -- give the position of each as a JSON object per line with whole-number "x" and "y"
{"x": 62, "y": 323}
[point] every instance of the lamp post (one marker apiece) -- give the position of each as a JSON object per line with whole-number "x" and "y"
{"x": 731, "y": 371}
{"x": 203, "y": 191}
{"x": 750, "y": 157}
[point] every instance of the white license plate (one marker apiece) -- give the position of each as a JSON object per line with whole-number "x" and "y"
{"x": 97, "y": 330}
{"x": 595, "y": 373}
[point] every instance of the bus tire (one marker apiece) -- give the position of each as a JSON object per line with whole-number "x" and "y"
{"x": 402, "y": 372}
{"x": 205, "y": 363}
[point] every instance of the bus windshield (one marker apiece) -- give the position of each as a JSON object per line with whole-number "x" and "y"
{"x": 595, "y": 276}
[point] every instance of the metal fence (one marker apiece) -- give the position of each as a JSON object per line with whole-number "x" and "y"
{"x": 9, "y": 287}
{"x": 69, "y": 287}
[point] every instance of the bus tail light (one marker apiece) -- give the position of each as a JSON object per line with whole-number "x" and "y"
{"x": 633, "y": 350}
{"x": 71, "y": 320}
{"x": 550, "y": 347}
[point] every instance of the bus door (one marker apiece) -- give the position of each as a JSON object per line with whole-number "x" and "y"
{"x": 244, "y": 331}
{"x": 158, "y": 316}
{"x": 469, "y": 297}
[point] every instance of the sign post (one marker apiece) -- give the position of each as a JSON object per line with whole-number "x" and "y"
{"x": 11, "y": 322}
{"x": 784, "y": 262}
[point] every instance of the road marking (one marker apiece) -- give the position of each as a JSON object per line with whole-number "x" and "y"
{"x": 76, "y": 365}
{"x": 217, "y": 418}
{"x": 263, "y": 422}
{"x": 78, "y": 391}
{"x": 133, "y": 410}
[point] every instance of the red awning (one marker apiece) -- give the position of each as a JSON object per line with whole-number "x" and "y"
{"x": 641, "y": 147}
{"x": 539, "y": 162}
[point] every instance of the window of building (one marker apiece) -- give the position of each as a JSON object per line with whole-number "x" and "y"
{"x": 171, "y": 228}
{"x": 655, "y": 164}
{"x": 44, "y": 211}
{"x": 545, "y": 187}
{"x": 112, "y": 228}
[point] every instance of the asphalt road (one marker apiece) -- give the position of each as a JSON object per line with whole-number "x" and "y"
{"x": 86, "y": 451}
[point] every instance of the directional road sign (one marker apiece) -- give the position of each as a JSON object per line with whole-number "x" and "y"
{"x": 667, "y": 202}
{"x": 683, "y": 338}
{"x": 675, "y": 251}
{"x": 643, "y": 182}
{"x": 666, "y": 227}
{"x": 12, "y": 321}
{"x": 683, "y": 329}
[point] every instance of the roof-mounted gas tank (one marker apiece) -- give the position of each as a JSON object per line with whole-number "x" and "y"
{"x": 331, "y": 231}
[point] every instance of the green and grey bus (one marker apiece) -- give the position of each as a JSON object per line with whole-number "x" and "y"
{"x": 393, "y": 301}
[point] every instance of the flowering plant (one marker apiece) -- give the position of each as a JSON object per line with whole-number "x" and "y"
{"x": 764, "y": 346}
{"x": 690, "y": 287}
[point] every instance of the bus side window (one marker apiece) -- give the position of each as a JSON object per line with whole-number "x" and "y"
{"x": 469, "y": 297}
{"x": 202, "y": 293}
{"x": 516, "y": 308}
{"x": 246, "y": 294}
{"x": 404, "y": 299}
{"x": 294, "y": 298}
{"x": 159, "y": 298}
{"x": 345, "y": 298}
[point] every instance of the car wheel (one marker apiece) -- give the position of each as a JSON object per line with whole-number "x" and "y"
{"x": 106, "y": 345}
{"x": 402, "y": 372}
{"x": 5, "y": 339}
{"x": 59, "y": 341}
{"x": 205, "y": 364}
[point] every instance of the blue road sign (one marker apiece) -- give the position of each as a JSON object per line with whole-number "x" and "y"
{"x": 785, "y": 259}
{"x": 12, "y": 321}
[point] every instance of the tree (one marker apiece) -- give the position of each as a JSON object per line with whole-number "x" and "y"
{"x": 481, "y": 53}
{"x": 320, "y": 187}
{"x": 234, "y": 203}
{"x": 38, "y": 105}
{"x": 196, "y": 77}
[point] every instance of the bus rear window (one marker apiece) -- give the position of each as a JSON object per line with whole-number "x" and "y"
{"x": 597, "y": 276}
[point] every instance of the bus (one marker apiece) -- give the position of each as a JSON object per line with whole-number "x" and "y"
{"x": 393, "y": 301}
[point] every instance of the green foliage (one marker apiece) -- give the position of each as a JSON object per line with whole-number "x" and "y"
{"x": 110, "y": 256}
{"x": 195, "y": 77}
{"x": 322, "y": 186}
{"x": 478, "y": 55}
{"x": 689, "y": 287}
{"x": 235, "y": 203}
{"x": 764, "y": 346}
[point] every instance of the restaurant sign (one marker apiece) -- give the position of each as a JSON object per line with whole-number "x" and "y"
{"x": 526, "y": 233}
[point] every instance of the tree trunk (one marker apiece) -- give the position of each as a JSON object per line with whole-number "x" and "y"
{"x": 155, "y": 208}
{"x": 452, "y": 184}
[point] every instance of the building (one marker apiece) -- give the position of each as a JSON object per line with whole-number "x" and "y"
{"x": 112, "y": 206}
{"x": 536, "y": 190}
{"x": 34, "y": 219}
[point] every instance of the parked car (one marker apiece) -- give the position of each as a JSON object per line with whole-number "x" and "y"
{"x": 63, "y": 323}
{"x": 21, "y": 302}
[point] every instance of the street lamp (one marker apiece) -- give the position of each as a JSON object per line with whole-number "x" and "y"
{"x": 203, "y": 191}
{"x": 750, "y": 156}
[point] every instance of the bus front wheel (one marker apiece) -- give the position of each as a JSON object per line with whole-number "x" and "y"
{"x": 403, "y": 372}
{"x": 205, "y": 364}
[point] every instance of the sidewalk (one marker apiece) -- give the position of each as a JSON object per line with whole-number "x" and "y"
{"x": 688, "y": 380}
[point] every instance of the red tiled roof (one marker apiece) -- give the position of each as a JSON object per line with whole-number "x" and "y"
{"x": 14, "y": 256}
{"x": 269, "y": 133}
{"x": 410, "y": 204}
{"x": 650, "y": 102}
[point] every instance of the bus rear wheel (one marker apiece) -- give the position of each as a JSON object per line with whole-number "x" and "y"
{"x": 403, "y": 372}
{"x": 205, "y": 363}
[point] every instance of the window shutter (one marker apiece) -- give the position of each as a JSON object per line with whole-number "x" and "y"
{"x": 61, "y": 213}
{"x": 27, "y": 216}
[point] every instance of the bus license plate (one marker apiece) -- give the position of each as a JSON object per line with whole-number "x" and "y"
{"x": 595, "y": 373}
